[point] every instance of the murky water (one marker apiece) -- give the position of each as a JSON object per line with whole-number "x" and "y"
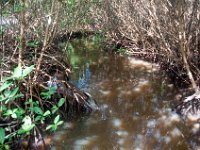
{"x": 134, "y": 100}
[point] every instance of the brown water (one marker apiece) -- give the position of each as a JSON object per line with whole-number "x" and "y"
{"x": 135, "y": 106}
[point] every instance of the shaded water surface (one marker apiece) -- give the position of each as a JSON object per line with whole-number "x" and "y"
{"x": 134, "y": 101}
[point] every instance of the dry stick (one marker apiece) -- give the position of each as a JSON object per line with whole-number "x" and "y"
{"x": 189, "y": 73}
{"x": 2, "y": 42}
{"x": 183, "y": 40}
{"x": 158, "y": 26}
{"x": 44, "y": 47}
{"x": 66, "y": 46}
{"x": 22, "y": 34}
{"x": 192, "y": 15}
{"x": 53, "y": 29}
{"x": 11, "y": 57}
{"x": 53, "y": 58}
{"x": 45, "y": 44}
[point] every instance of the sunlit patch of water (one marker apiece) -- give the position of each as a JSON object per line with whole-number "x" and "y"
{"x": 140, "y": 84}
{"x": 167, "y": 139}
{"x": 91, "y": 121}
{"x": 139, "y": 142}
{"x": 135, "y": 63}
{"x": 104, "y": 92}
{"x": 175, "y": 132}
{"x": 122, "y": 133}
{"x": 121, "y": 141}
{"x": 117, "y": 123}
{"x": 195, "y": 127}
{"x": 151, "y": 123}
{"x": 193, "y": 117}
{"x": 168, "y": 117}
{"x": 68, "y": 125}
{"x": 81, "y": 143}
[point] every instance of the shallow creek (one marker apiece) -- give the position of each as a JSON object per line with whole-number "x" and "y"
{"x": 134, "y": 99}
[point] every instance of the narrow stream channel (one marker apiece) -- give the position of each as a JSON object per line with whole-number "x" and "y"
{"x": 134, "y": 100}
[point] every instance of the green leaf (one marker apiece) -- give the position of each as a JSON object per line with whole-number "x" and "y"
{"x": 11, "y": 113}
{"x": 17, "y": 72}
{"x": 48, "y": 94}
{"x": 61, "y": 102}
{"x": 7, "y": 78}
{"x": 8, "y": 112}
{"x": 1, "y": 98}
{"x": 11, "y": 95}
{"x": 54, "y": 109}
{"x": 13, "y": 98}
{"x": 27, "y": 70}
{"x": 59, "y": 123}
{"x": 27, "y": 122}
{"x": 47, "y": 113}
{"x": 20, "y": 112}
{"x": 49, "y": 127}
{"x": 6, "y": 147}
{"x": 5, "y": 86}
{"x": 14, "y": 116}
{"x": 33, "y": 43}
{"x": 38, "y": 118}
{"x": 18, "y": 8}
{"x": 56, "y": 119}
{"x": 2, "y": 136}
{"x": 54, "y": 127}
{"x": 26, "y": 126}
{"x": 27, "y": 129}
{"x": 14, "y": 92}
{"x": 6, "y": 93}
{"x": 38, "y": 110}
{"x": 3, "y": 108}
{"x": 29, "y": 102}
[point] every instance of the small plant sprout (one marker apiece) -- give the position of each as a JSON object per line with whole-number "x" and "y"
{"x": 55, "y": 124}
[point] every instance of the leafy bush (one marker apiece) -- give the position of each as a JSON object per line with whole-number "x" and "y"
{"x": 21, "y": 116}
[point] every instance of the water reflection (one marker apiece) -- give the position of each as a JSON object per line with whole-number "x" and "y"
{"x": 84, "y": 77}
{"x": 134, "y": 107}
